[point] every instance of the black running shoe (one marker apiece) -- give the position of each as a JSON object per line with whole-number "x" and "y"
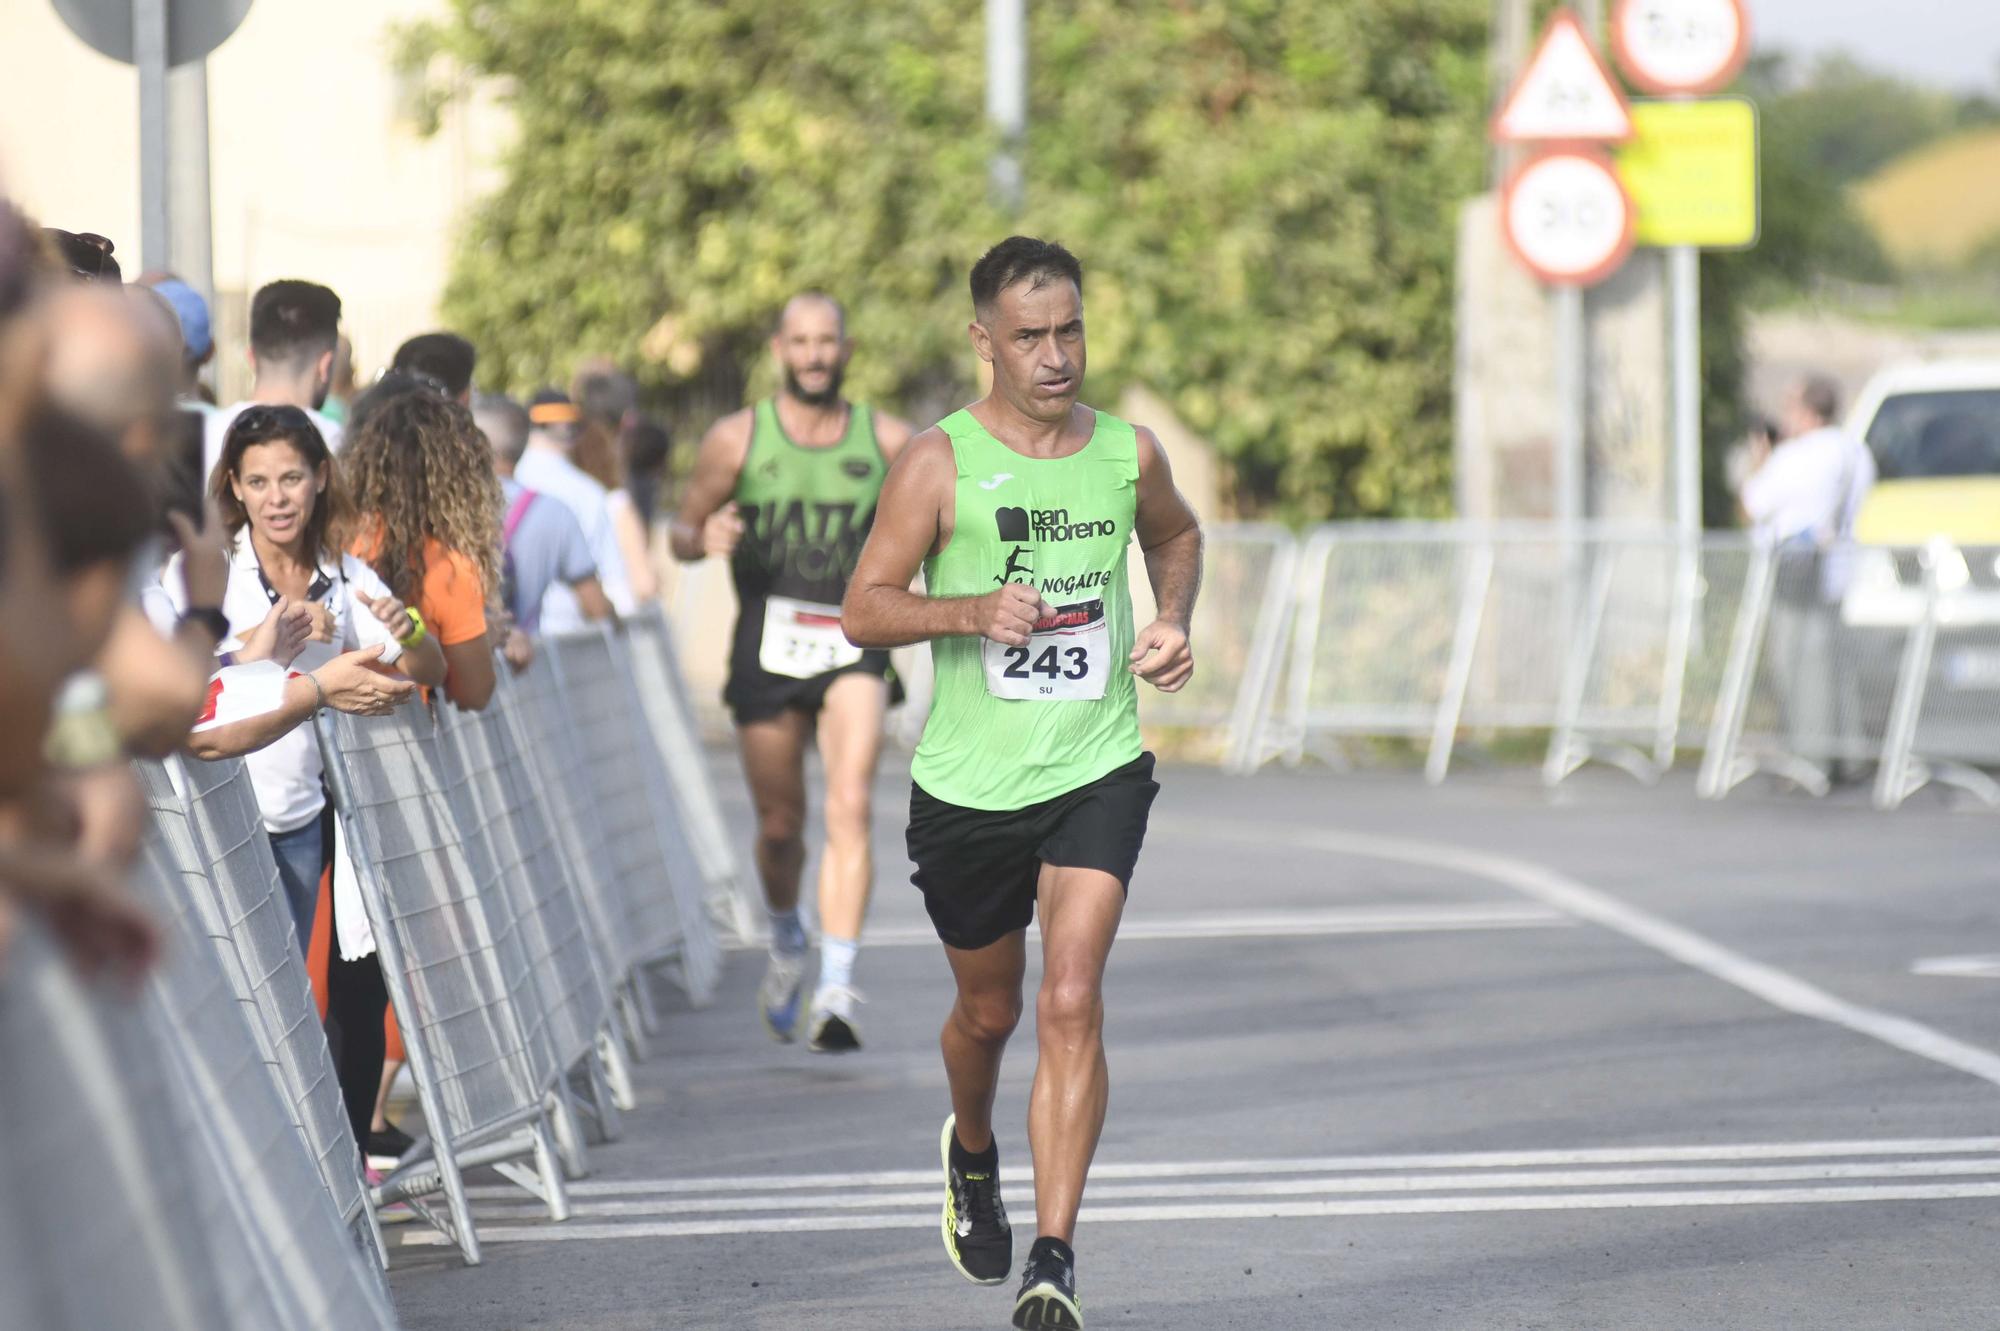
{"x": 1048, "y": 1301}
{"x": 976, "y": 1233}
{"x": 389, "y": 1141}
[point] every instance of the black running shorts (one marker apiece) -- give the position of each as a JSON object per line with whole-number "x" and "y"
{"x": 978, "y": 868}
{"x": 753, "y": 693}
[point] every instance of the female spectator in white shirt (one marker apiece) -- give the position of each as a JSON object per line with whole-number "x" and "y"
{"x": 282, "y": 507}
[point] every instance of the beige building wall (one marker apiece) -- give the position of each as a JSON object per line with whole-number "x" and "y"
{"x": 317, "y": 169}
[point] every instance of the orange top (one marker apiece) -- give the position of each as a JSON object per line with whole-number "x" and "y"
{"x": 450, "y": 597}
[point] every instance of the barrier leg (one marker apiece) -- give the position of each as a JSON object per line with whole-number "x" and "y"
{"x": 1458, "y": 680}
{"x": 611, "y": 1053}
{"x": 567, "y": 1129}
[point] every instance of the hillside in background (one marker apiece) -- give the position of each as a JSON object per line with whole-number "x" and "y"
{"x": 1938, "y": 207}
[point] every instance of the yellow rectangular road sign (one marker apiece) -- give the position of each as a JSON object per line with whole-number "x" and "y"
{"x": 1691, "y": 169}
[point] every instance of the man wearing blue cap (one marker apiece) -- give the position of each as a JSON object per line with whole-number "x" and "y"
{"x": 197, "y": 334}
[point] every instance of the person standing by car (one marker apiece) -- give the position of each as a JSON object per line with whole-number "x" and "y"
{"x": 1803, "y": 496}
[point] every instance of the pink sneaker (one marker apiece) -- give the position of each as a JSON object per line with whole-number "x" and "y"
{"x": 395, "y": 1213}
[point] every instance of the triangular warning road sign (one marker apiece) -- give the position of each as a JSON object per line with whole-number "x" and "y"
{"x": 1565, "y": 95}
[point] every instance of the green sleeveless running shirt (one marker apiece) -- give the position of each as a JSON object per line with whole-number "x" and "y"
{"x": 1013, "y": 726}
{"x": 806, "y": 513}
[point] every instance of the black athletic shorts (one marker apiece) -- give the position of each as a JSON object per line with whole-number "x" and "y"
{"x": 978, "y": 868}
{"x": 755, "y": 694}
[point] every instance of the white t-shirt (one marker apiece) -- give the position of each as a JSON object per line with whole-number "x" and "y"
{"x": 216, "y": 426}
{"x": 619, "y": 589}
{"x": 547, "y": 471}
{"x": 1812, "y": 486}
{"x": 286, "y": 773}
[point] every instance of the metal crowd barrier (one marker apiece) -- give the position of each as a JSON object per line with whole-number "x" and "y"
{"x": 207, "y": 815}
{"x": 648, "y": 848}
{"x": 456, "y": 967}
{"x": 669, "y": 710}
{"x": 1629, "y": 647}
{"x": 569, "y": 1004}
{"x": 1240, "y": 621}
{"x": 1945, "y": 721}
{"x": 101, "y": 1173}
{"x": 288, "y": 1258}
{"x": 562, "y": 775}
{"x": 152, "y": 1174}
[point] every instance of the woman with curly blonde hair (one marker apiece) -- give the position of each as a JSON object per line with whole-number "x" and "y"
{"x": 421, "y": 478}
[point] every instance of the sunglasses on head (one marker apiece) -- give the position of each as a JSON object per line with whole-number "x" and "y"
{"x": 87, "y": 254}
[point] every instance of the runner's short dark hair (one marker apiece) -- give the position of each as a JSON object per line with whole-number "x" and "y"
{"x": 1021, "y": 259}
{"x": 445, "y": 357}
{"x": 292, "y": 321}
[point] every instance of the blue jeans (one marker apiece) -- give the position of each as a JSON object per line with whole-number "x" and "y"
{"x": 301, "y": 855}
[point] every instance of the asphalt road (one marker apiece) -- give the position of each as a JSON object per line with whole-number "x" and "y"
{"x": 1383, "y": 1057}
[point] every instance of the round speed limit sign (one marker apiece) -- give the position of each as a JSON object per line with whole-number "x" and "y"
{"x": 1567, "y": 217}
{"x": 1681, "y": 46}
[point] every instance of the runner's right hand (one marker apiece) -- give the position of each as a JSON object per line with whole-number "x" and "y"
{"x": 721, "y": 532}
{"x": 1009, "y": 614}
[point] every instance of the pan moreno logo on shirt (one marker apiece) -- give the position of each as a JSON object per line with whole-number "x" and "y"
{"x": 1049, "y": 524}
{"x": 1020, "y": 529}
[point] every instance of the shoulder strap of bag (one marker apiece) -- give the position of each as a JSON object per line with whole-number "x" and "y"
{"x": 515, "y": 512}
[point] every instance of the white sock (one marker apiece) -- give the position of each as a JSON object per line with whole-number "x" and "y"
{"x": 788, "y": 936}
{"x": 836, "y": 961}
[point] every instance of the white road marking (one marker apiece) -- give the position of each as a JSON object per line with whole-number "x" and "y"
{"x": 1779, "y": 988}
{"x": 1022, "y": 1196}
{"x": 1964, "y": 968}
{"x": 1326, "y": 922}
{"x": 572, "y": 1231}
{"x": 1107, "y": 1171}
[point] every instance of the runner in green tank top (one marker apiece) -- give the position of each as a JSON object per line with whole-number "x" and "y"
{"x": 1029, "y": 788}
{"x": 785, "y": 491}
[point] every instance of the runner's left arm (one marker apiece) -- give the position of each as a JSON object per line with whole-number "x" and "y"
{"x": 1170, "y": 537}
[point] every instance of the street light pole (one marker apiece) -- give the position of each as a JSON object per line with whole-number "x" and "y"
{"x": 1007, "y": 94}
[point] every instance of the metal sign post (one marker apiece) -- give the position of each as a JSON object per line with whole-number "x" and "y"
{"x": 149, "y": 53}
{"x": 1684, "y": 48}
{"x": 1567, "y": 219}
{"x": 158, "y": 36}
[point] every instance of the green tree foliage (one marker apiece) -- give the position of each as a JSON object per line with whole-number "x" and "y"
{"x": 1263, "y": 193}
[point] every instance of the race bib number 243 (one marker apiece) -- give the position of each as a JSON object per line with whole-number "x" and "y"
{"x": 1067, "y": 660}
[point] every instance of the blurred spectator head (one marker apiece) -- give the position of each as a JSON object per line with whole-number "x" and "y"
{"x": 504, "y": 422}
{"x": 606, "y": 394}
{"x": 191, "y": 312}
{"x": 648, "y": 447}
{"x": 276, "y": 476}
{"x": 812, "y": 347}
{"x": 1814, "y": 404}
{"x": 553, "y": 418}
{"x": 85, "y": 254}
{"x": 596, "y": 453}
{"x": 419, "y": 469}
{"x": 294, "y": 330}
{"x": 446, "y": 358}
{"x": 114, "y": 361}
{"x": 391, "y": 385}
{"x": 96, "y": 512}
